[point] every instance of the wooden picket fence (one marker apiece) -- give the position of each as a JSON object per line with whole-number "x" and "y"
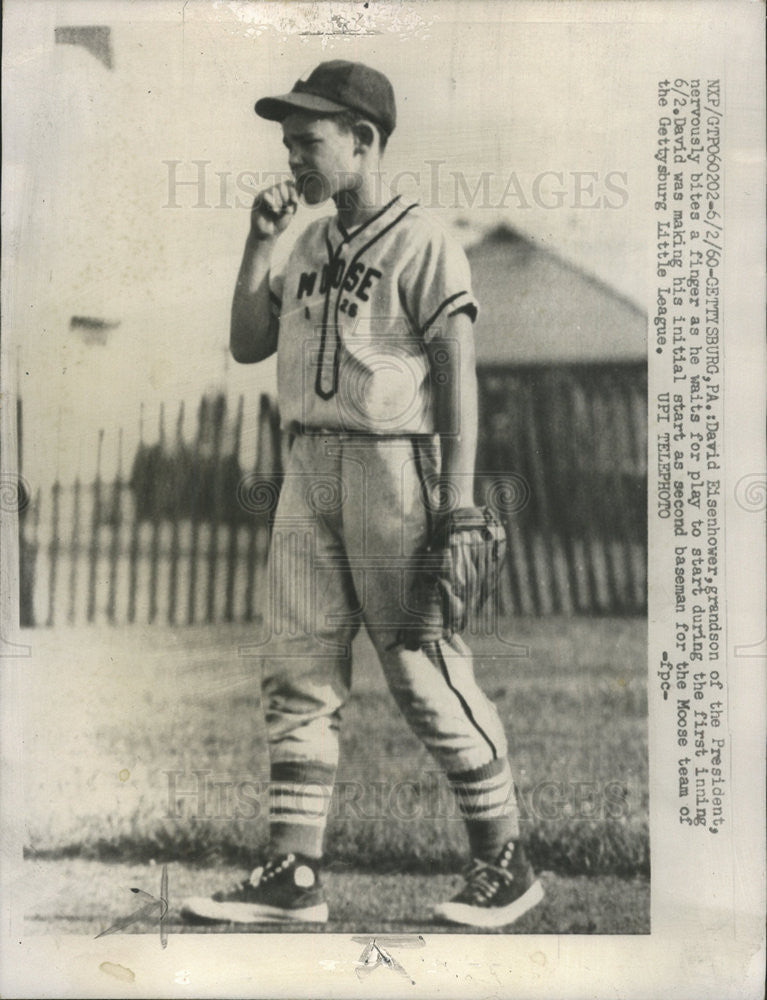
{"x": 182, "y": 536}
{"x": 574, "y": 440}
{"x": 143, "y": 548}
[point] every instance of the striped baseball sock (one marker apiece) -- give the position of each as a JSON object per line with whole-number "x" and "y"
{"x": 488, "y": 804}
{"x": 299, "y": 800}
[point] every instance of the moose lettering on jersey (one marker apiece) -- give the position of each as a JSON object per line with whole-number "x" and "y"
{"x": 344, "y": 301}
{"x": 359, "y": 279}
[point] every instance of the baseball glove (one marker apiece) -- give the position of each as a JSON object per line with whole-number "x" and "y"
{"x": 456, "y": 575}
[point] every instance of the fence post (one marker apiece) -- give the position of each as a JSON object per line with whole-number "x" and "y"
{"x": 28, "y": 559}
{"x": 115, "y": 517}
{"x": 219, "y": 415}
{"x": 635, "y": 406}
{"x": 74, "y": 550}
{"x": 202, "y": 417}
{"x": 175, "y": 545}
{"x": 93, "y": 552}
{"x": 134, "y": 544}
{"x": 233, "y": 515}
{"x": 14, "y": 499}
{"x": 154, "y": 544}
{"x": 54, "y": 548}
{"x": 540, "y": 503}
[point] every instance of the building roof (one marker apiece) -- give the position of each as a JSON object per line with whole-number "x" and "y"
{"x": 536, "y": 307}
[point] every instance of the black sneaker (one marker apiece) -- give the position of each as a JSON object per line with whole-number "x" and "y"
{"x": 285, "y": 890}
{"x": 494, "y": 894}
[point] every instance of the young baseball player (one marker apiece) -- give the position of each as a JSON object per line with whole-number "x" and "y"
{"x": 371, "y": 319}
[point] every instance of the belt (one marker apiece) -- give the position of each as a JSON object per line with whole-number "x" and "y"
{"x": 296, "y": 427}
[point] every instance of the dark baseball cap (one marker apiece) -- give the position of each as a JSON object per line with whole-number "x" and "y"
{"x": 336, "y": 86}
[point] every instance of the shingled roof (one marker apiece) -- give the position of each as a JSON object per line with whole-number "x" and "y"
{"x": 536, "y": 307}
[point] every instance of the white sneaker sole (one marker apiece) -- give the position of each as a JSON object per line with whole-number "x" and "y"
{"x": 202, "y": 908}
{"x": 490, "y": 916}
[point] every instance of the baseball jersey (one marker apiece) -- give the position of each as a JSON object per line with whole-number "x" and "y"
{"x": 356, "y": 310}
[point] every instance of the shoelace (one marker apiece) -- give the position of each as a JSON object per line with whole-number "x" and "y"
{"x": 265, "y": 872}
{"x": 483, "y": 879}
{"x": 261, "y": 874}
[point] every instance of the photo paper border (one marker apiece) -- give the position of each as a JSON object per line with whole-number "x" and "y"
{"x": 707, "y": 925}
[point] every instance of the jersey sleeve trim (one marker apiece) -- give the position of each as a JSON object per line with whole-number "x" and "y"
{"x": 462, "y": 301}
{"x": 469, "y": 307}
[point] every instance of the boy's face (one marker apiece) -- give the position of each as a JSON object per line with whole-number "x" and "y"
{"x": 320, "y": 155}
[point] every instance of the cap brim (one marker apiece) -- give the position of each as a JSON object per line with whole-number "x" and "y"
{"x": 274, "y": 109}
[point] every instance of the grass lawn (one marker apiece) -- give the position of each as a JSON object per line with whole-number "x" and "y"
{"x": 86, "y": 897}
{"x": 146, "y": 745}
